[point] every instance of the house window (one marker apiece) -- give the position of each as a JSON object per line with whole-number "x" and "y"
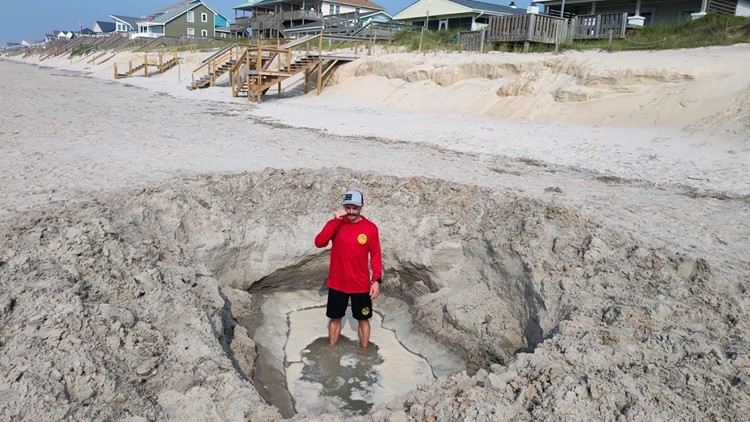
{"x": 334, "y": 9}
{"x": 204, "y": 32}
{"x": 204, "y": 17}
{"x": 191, "y": 16}
{"x": 191, "y": 31}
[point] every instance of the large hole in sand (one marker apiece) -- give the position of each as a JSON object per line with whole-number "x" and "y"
{"x": 459, "y": 294}
{"x": 226, "y": 264}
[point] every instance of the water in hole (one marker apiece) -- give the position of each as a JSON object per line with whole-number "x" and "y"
{"x": 347, "y": 377}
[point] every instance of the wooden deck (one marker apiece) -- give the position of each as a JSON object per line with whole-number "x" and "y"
{"x": 547, "y": 29}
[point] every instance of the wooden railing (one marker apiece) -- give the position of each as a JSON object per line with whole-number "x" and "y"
{"x": 552, "y": 30}
{"x": 148, "y": 61}
{"x": 599, "y": 26}
{"x": 526, "y": 28}
{"x": 210, "y": 64}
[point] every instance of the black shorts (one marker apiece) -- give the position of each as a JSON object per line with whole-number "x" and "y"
{"x": 338, "y": 301}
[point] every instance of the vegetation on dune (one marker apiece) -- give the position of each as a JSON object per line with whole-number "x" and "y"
{"x": 710, "y": 30}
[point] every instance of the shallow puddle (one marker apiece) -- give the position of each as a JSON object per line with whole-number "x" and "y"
{"x": 347, "y": 377}
{"x": 293, "y": 349}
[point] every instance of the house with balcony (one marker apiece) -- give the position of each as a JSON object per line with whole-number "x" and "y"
{"x": 125, "y": 24}
{"x": 272, "y": 18}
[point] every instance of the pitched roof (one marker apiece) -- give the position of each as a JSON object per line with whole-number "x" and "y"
{"x": 361, "y": 3}
{"x": 173, "y": 6}
{"x": 421, "y": 8}
{"x": 179, "y": 10}
{"x": 490, "y": 7}
{"x": 127, "y": 19}
{"x": 106, "y": 26}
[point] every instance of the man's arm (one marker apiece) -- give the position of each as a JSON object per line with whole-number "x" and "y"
{"x": 376, "y": 260}
{"x": 329, "y": 230}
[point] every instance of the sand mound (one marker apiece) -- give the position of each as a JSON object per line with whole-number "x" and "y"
{"x": 622, "y": 89}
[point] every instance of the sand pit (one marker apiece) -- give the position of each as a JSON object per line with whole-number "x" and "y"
{"x": 582, "y": 268}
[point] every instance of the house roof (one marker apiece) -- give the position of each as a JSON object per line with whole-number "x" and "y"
{"x": 422, "y": 8}
{"x": 489, "y": 7}
{"x": 173, "y": 6}
{"x": 105, "y": 26}
{"x": 178, "y": 11}
{"x": 361, "y": 3}
{"x": 133, "y": 22}
{"x": 247, "y": 5}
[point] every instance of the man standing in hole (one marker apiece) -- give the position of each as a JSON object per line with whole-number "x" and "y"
{"x": 355, "y": 240}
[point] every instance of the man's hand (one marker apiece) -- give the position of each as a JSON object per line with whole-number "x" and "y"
{"x": 374, "y": 290}
{"x": 339, "y": 213}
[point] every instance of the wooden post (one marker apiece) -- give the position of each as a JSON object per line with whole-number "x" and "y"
{"x": 529, "y": 31}
{"x": 249, "y": 92}
{"x": 320, "y": 61}
{"x": 278, "y": 90}
{"x": 307, "y": 80}
{"x": 145, "y": 64}
{"x": 130, "y": 67}
{"x": 258, "y": 77}
{"x": 118, "y": 78}
{"x": 161, "y": 62}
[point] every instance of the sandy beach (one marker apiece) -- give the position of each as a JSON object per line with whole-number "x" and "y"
{"x": 600, "y": 200}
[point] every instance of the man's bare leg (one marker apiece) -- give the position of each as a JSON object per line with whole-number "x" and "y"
{"x": 334, "y": 328}
{"x": 364, "y": 332}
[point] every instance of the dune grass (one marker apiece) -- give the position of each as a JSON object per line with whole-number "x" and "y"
{"x": 710, "y": 30}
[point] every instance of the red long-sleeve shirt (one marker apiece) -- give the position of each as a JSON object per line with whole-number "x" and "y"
{"x": 353, "y": 243}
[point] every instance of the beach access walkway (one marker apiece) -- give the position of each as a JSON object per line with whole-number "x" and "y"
{"x": 253, "y": 69}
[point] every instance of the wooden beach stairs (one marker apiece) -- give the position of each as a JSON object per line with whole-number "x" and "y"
{"x": 254, "y": 69}
{"x": 155, "y": 62}
{"x": 218, "y": 64}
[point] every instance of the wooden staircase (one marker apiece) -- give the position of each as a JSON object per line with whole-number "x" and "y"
{"x": 217, "y": 65}
{"x": 254, "y": 69}
{"x": 210, "y": 78}
{"x": 130, "y": 71}
{"x": 158, "y": 63}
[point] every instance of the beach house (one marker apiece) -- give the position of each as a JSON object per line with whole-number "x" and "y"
{"x": 191, "y": 18}
{"x": 445, "y": 14}
{"x": 103, "y": 27}
{"x": 125, "y": 24}
{"x": 279, "y": 18}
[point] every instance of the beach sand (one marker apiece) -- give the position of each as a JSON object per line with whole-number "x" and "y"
{"x": 653, "y": 146}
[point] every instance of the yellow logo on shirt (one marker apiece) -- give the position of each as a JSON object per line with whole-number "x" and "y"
{"x": 362, "y": 239}
{"x": 365, "y": 311}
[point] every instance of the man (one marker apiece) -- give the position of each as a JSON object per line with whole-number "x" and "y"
{"x": 355, "y": 239}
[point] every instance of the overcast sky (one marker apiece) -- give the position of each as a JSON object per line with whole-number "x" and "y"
{"x": 32, "y": 19}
